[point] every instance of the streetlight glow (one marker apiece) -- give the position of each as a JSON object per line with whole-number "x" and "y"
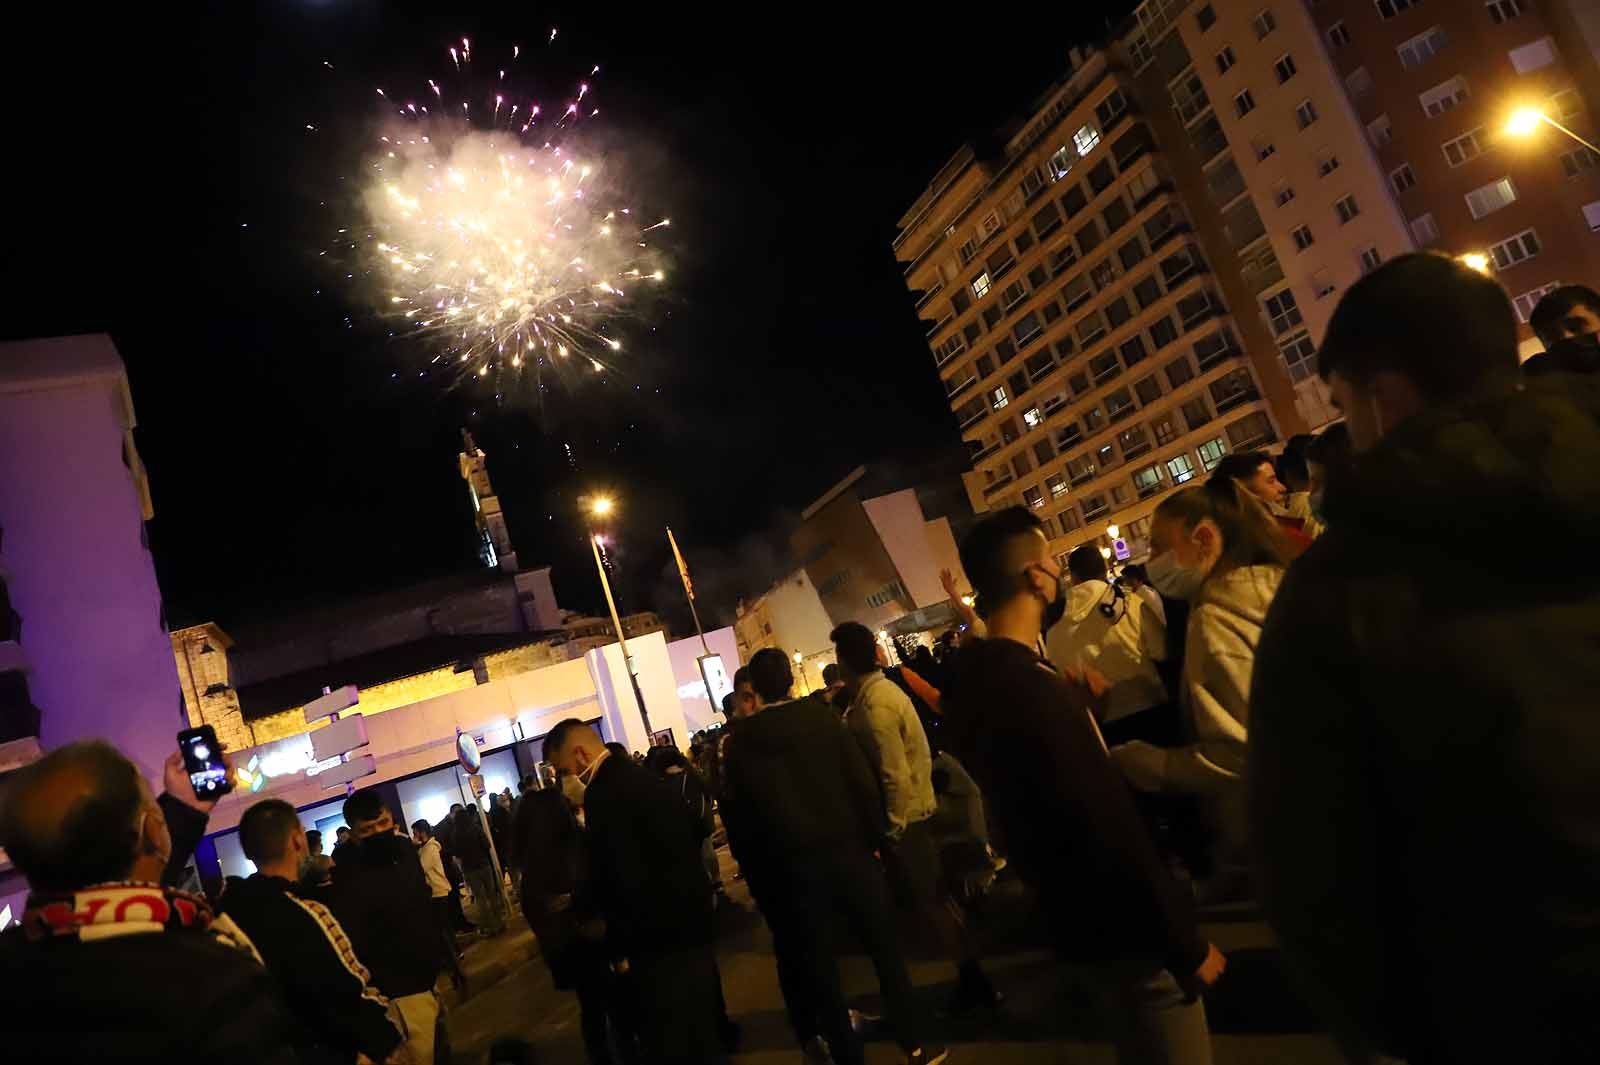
{"x": 600, "y": 506}
{"x": 798, "y": 658}
{"x": 1524, "y": 120}
{"x": 1475, "y": 260}
{"x": 1111, "y": 531}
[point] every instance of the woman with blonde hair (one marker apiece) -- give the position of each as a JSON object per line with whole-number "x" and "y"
{"x": 1218, "y": 548}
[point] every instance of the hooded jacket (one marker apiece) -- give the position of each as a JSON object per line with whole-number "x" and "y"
{"x": 381, "y": 898}
{"x": 796, "y": 784}
{"x": 1123, "y": 648}
{"x": 1424, "y": 763}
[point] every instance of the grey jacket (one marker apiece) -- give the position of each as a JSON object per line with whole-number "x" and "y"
{"x": 882, "y": 718}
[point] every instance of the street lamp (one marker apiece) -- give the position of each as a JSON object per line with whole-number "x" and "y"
{"x": 1111, "y": 532}
{"x": 1525, "y": 121}
{"x": 800, "y": 664}
{"x": 599, "y": 507}
{"x": 1475, "y": 260}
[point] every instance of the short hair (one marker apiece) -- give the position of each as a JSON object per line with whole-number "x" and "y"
{"x": 994, "y": 552}
{"x": 741, "y": 676}
{"x": 1438, "y": 323}
{"x": 1086, "y": 563}
{"x": 422, "y": 826}
{"x": 770, "y": 674}
{"x": 1240, "y": 465}
{"x": 342, "y": 830}
{"x": 364, "y": 806}
{"x": 1331, "y": 449}
{"x": 556, "y": 741}
{"x": 265, "y": 829}
{"x": 727, "y": 704}
{"x": 1555, "y": 304}
{"x": 830, "y": 674}
{"x": 525, "y": 784}
{"x": 313, "y": 837}
{"x": 1291, "y": 465}
{"x": 618, "y": 749}
{"x": 856, "y": 647}
{"x": 94, "y": 839}
{"x": 1137, "y": 571}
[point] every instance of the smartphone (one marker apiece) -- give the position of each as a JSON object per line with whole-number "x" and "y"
{"x": 202, "y": 757}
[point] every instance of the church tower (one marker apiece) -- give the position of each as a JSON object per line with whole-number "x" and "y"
{"x": 494, "y": 542}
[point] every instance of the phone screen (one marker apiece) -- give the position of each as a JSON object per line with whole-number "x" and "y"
{"x": 202, "y": 757}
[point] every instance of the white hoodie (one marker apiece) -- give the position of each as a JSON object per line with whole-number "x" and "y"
{"x": 1122, "y": 648}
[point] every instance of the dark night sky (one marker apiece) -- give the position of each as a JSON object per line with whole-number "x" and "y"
{"x": 170, "y": 194}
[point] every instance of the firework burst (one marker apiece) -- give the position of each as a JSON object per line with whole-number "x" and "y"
{"x": 495, "y": 237}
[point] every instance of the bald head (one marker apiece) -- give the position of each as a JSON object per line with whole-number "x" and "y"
{"x": 77, "y": 817}
{"x": 573, "y": 746}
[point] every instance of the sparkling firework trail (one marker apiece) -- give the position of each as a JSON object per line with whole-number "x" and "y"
{"x": 507, "y": 249}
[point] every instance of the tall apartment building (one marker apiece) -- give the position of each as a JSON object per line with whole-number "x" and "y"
{"x": 1434, "y": 83}
{"x": 1078, "y": 286}
{"x": 1285, "y": 158}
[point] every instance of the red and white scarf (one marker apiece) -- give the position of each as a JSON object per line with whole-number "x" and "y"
{"x": 103, "y": 911}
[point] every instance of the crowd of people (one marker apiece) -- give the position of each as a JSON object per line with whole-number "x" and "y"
{"x": 1353, "y": 681}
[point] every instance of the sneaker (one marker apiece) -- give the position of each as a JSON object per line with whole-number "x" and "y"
{"x": 928, "y": 1054}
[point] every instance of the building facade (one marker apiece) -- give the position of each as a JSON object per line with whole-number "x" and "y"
{"x": 1082, "y": 296}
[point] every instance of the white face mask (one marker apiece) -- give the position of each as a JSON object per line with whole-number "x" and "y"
{"x": 1172, "y": 579}
{"x": 572, "y": 789}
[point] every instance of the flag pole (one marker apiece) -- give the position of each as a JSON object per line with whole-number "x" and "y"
{"x": 688, "y": 589}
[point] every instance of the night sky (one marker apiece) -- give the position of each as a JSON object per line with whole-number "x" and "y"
{"x": 165, "y": 190}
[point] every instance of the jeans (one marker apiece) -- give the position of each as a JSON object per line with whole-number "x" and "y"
{"x": 489, "y": 896}
{"x": 1151, "y": 1023}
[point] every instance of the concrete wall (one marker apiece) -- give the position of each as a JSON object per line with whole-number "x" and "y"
{"x": 99, "y": 659}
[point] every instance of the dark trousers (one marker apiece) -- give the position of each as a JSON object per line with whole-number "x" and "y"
{"x": 675, "y": 998}
{"x": 600, "y": 1004}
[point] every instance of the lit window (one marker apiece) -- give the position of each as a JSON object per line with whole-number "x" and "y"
{"x": 1427, "y": 44}
{"x": 1060, "y": 163}
{"x": 1032, "y": 418}
{"x": 1032, "y": 497}
{"x": 1225, "y": 60}
{"x": 1306, "y": 113}
{"x": 1180, "y": 469}
{"x": 1535, "y": 55}
{"x": 1211, "y": 453}
{"x": 998, "y": 398}
{"x": 1347, "y": 209}
{"x": 1244, "y": 103}
{"x": 980, "y": 285}
{"x": 1284, "y": 68}
{"x": 1514, "y": 250}
{"x": 1401, "y": 178}
{"x": 1086, "y": 138}
{"x": 1338, "y": 36}
{"x": 1263, "y": 23}
{"x": 1302, "y": 237}
{"x": 1487, "y": 199}
{"x": 1424, "y": 230}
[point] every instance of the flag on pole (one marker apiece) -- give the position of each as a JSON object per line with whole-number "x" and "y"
{"x": 683, "y": 567}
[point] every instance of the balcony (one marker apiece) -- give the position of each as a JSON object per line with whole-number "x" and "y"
{"x": 922, "y": 301}
{"x": 954, "y": 389}
{"x": 1052, "y": 404}
{"x": 940, "y": 324}
{"x": 983, "y": 451}
{"x": 1211, "y": 351}
{"x": 991, "y": 489}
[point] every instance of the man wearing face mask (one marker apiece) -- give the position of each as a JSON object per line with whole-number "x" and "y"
{"x": 648, "y": 885}
{"x": 1425, "y": 689}
{"x": 1124, "y": 926}
{"x": 1567, "y": 322}
{"x": 108, "y": 963}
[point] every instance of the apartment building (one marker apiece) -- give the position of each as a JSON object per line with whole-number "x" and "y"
{"x": 1079, "y": 315}
{"x": 1433, "y": 83}
{"x": 1302, "y": 193}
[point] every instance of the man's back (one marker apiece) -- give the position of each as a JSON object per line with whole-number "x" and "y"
{"x": 1424, "y": 762}
{"x": 882, "y": 717}
{"x": 797, "y": 782}
{"x": 381, "y": 898}
{"x": 175, "y": 994}
{"x": 1114, "y": 634}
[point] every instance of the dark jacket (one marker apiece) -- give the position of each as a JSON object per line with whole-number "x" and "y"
{"x": 467, "y": 839}
{"x": 1064, "y": 811}
{"x": 381, "y": 898}
{"x": 1424, "y": 761}
{"x": 545, "y": 828}
{"x": 176, "y": 994}
{"x": 644, "y": 848}
{"x": 307, "y": 950}
{"x": 796, "y": 784}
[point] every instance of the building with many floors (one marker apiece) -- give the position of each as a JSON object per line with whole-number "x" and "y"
{"x": 1089, "y": 309}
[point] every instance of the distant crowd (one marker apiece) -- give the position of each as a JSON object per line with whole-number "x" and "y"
{"x": 1354, "y": 682}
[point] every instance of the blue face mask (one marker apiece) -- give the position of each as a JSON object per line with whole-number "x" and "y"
{"x": 1172, "y": 579}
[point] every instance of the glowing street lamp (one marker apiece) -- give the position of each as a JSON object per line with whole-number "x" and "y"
{"x": 800, "y": 665}
{"x": 1111, "y": 531}
{"x": 1475, "y": 260}
{"x": 600, "y": 507}
{"x": 1525, "y": 121}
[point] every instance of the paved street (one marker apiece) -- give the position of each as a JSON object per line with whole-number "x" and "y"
{"x": 1254, "y": 1018}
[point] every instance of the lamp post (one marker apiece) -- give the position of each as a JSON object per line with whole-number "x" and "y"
{"x": 1525, "y": 121}
{"x": 800, "y": 664}
{"x": 600, "y": 507}
{"x": 1474, "y": 260}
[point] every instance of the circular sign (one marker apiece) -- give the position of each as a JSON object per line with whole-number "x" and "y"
{"x": 467, "y": 752}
